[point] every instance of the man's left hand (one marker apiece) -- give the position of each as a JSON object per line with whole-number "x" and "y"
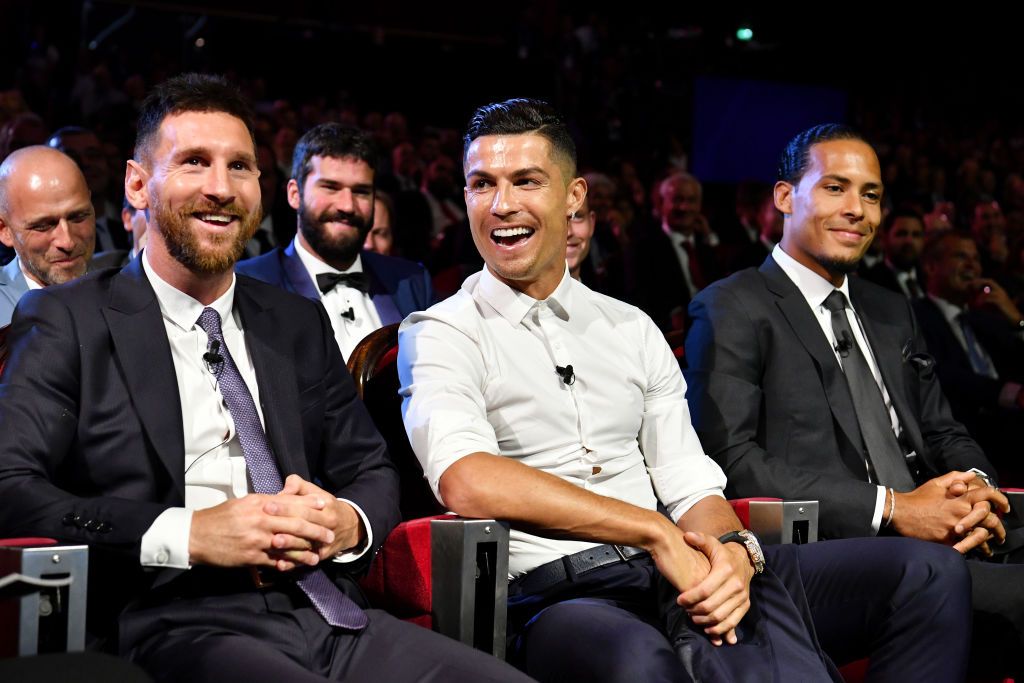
{"x": 719, "y": 602}
{"x": 336, "y": 515}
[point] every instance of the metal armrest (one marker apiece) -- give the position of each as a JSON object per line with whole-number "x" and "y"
{"x": 52, "y": 586}
{"x": 470, "y": 581}
{"x": 779, "y": 521}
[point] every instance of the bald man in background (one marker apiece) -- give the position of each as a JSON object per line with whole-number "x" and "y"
{"x": 46, "y": 216}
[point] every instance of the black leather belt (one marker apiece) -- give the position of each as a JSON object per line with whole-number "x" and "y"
{"x": 569, "y": 567}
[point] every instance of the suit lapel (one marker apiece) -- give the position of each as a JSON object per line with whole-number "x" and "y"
{"x": 297, "y": 275}
{"x": 797, "y": 313}
{"x": 275, "y": 374}
{"x": 136, "y": 329}
{"x": 387, "y": 309}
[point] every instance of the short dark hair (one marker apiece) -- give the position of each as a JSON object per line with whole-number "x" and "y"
{"x": 796, "y": 156}
{"x": 519, "y": 116}
{"x": 185, "y": 93}
{"x": 335, "y": 140}
{"x": 933, "y": 246}
{"x": 901, "y": 212}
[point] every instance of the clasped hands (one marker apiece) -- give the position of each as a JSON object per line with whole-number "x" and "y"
{"x": 713, "y": 579}
{"x": 956, "y": 509}
{"x": 300, "y": 526}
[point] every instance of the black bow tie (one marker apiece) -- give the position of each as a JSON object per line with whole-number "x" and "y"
{"x": 328, "y": 281}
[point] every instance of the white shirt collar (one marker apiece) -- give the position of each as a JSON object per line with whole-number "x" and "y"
{"x": 950, "y": 310}
{"x": 315, "y": 266}
{"x": 814, "y": 288}
{"x": 513, "y": 305}
{"x": 29, "y": 282}
{"x": 180, "y": 308}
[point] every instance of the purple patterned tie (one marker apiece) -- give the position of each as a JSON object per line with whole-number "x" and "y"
{"x": 335, "y": 607}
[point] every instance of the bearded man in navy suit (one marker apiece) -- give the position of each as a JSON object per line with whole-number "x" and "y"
{"x": 331, "y": 188}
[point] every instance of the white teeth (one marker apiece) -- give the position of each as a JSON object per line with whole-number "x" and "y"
{"x": 215, "y": 218}
{"x": 511, "y": 232}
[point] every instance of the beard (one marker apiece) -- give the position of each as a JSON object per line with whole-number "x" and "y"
{"x": 222, "y": 250}
{"x": 333, "y": 248}
{"x": 838, "y": 265}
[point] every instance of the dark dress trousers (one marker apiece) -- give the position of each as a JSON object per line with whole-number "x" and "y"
{"x": 92, "y": 451}
{"x": 769, "y": 402}
{"x": 397, "y": 287}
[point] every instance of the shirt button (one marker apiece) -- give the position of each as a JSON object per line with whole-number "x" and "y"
{"x": 162, "y": 557}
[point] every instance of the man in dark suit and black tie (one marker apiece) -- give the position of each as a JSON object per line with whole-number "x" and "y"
{"x": 332, "y": 191}
{"x": 806, "y": 383}
{"x": 174, "y": 417}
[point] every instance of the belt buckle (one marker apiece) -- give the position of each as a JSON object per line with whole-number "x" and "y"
{"x": 257, "y": 578}
{"x": 620, "y": 553}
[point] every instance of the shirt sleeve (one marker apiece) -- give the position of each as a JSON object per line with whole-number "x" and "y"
{"x": 442, "y": 372}
{"x": 682, "y": 474}
{"x": 357, "y": 552}
{"x": 165, "y": 543}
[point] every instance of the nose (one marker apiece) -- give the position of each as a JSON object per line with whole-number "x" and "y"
{"x": 217, "y": 185}
{"x": 503, "y": 203}
{"x": 853, "y": 206}
{"x": 344, "y": 200}
{"x": 61, "y": 238}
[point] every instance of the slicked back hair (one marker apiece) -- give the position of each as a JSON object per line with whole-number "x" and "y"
{"x": 334, "y": 140}
{"x": 796, "y": 157}
{"x": 190, "y": 92}
{"x": 520, "y": 116}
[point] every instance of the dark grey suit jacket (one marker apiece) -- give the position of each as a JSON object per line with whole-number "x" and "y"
{"x": 771, "y": 405}
{"x": 91, "y": 438}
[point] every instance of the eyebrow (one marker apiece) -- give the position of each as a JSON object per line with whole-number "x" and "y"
{"x": 189, "y": 152}
{"x": 518, "y": 173}
{"x": 847, "y": 181}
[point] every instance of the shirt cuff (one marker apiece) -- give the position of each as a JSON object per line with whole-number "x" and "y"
{"x": 357, "y": 552}
{"x": 1008, "y": 395}
{"x": 876, "y": 518}
{"x": 165, "y": 543}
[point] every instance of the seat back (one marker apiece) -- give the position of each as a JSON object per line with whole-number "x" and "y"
{"x": 374, "y": 368}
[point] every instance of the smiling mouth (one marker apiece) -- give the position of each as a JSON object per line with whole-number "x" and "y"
{"x": 220, "y": 220}
{"x": 508, "y": 237}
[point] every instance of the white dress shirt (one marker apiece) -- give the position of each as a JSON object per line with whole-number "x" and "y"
{"x": 215, "y": 469}
{"x": 32, "y": 284}
{"x": 348, "y": 333}
{"x": 815, "y": 289}
{"x": 478, "y": 375}
{"x": 679, "y": 242}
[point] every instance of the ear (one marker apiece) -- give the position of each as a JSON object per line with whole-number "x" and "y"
{"x": 135, "y": 190}
{"x": 293, "y": 194}
{"x": 577, "y": 192}
{"x": 6, "y": 236}
{"x": 784, "y": 197}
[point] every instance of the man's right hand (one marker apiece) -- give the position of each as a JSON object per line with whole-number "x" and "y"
{"x": 682, "y": 565}
{"x": 279, "y": 531}
{"x": 949, "y": 510}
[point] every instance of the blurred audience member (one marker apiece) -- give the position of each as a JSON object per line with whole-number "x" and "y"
{"x": 901, "y": 237}
{"x": 380, "y": 239}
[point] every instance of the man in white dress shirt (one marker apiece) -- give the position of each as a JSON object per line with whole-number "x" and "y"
{"x": 531, "y": 398}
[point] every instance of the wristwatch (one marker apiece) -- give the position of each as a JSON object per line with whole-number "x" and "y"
{"x": 749, "y": 541}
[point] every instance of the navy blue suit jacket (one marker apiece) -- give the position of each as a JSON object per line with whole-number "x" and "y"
{"x": 397, "y": 287}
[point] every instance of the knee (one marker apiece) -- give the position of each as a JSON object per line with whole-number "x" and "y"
{"x": 558, "y": 647}
{"x": 936, "y": 572}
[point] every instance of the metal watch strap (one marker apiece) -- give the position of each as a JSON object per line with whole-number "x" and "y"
{"x": 749, "y": 541}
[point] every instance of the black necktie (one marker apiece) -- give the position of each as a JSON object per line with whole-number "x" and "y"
{"x": 328, "y": 281}
{"x": 884, "y": 452}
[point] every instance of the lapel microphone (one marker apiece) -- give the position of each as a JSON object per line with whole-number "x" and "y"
{"x": 844, "y": 344}
{"x": 566, "y": 373}
{"x": 349, "y": 314}
{"x": 212, "y": 357}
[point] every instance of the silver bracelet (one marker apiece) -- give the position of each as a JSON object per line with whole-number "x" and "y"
{"x": 892, "y": 507}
